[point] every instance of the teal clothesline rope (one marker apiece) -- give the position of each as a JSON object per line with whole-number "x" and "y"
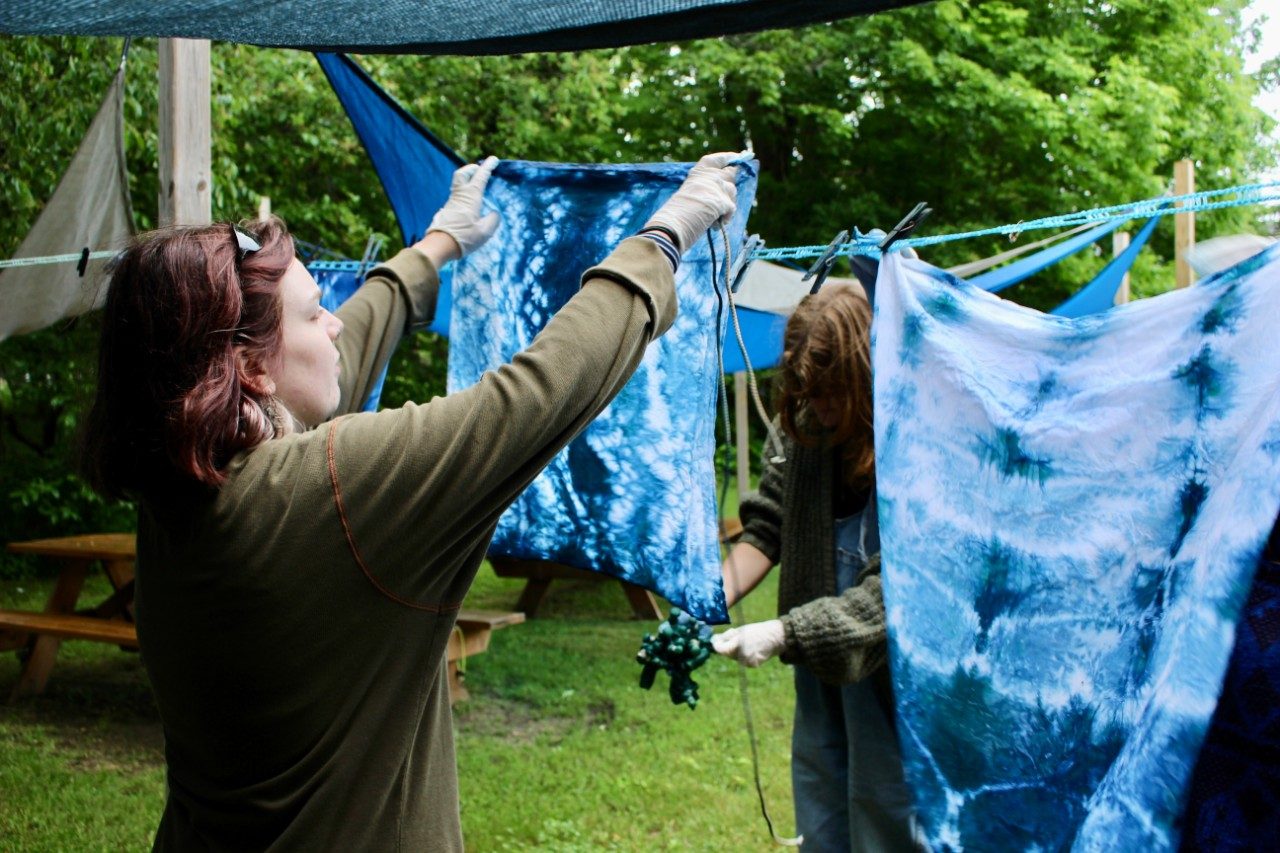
{"x": 55, "y": 259}
{"x": 1261, "y": 193}
{"x": 1198, "y": 202}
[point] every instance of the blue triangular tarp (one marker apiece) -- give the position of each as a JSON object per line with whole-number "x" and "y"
{"x": 1007, "y": 276}
{"x": 1100, "y": 294}
{"x": 415, "y": 168}
{"x": 413, "y": 165}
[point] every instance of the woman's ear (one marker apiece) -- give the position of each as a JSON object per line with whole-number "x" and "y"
{"x": 253, "y": 378}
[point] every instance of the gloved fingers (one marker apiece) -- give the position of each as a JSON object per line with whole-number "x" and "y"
{"x": 728, "y": 201}
{"x": 480, "y": 176}
{"x": 462, "y": 176}
{"x": 474, "y": 175}
{"x": 718, "y": 193}
{"x": 727, "y": 642}
{"x": 708, "y": 195}
{"x": 723, "y": 160}
{"x": 758, "y": 642}
{"x": 718, "y": 160}
{"x": 486, "y": 226}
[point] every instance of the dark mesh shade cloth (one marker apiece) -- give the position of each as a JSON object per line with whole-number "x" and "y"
{"x": 431, "y": 26}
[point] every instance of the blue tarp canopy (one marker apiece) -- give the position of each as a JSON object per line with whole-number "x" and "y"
{"x": 426, "y": 26}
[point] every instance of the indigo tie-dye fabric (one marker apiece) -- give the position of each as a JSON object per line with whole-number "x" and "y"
{"x": 634, "y": 495}
{"x": 1071, "y": 511}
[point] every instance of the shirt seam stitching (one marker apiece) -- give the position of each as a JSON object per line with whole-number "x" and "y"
{"x": 351, "y": 541}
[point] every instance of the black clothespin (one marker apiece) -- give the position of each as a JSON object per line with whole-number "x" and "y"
{"x": 84, "y": 262}
{"x": 822, "y": 266}
{"x": 907, "y": 225}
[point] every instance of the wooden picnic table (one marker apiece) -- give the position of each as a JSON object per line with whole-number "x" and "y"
{"x": 538, "y": 575}
{"x": 109, "y": 621}
{"x": 38, "y": 635}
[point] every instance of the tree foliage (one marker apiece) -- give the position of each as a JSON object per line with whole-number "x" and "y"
{"x": 993, "y": 112}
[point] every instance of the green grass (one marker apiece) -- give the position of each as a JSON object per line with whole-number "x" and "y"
{"x": 558, "y": 748}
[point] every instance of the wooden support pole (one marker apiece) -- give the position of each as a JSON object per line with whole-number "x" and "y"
{"x": 1184, "y": 224}
{"x": 185, "y": 139}
{"x": 742, "y": 428}
{"x": 1120, "y": 242}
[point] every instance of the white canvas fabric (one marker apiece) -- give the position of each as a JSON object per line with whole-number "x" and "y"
{"x": 89, "y": 209}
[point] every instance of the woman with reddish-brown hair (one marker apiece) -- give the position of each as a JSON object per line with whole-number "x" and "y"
{"x": 298, "y": 577}
{"x": 815, "y": 513}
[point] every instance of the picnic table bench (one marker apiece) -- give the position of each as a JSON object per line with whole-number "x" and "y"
{"x": 38, "y": 635}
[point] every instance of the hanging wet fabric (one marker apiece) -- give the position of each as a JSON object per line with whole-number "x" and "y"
{"x": 634, "y": 495}
{"x": 1070, "y": 512}
{"x": 415, "y": 168}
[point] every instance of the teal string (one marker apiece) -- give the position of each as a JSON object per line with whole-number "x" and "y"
{"x": 1262, "y": 193}
{"x": 1198, "y": 202}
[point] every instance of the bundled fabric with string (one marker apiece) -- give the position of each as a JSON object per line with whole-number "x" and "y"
{"x": 1071, "y": 511}
{"x": 634, "y": 495}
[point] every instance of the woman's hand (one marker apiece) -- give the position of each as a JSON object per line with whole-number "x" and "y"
{"x": 460, "y": 217}
{"x": 752, "y": 645}
{"x": 707, "y": 196}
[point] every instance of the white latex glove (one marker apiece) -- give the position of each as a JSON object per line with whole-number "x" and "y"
{"x": 752, "y": 645}
{"x": 460, "y": 217}
{"x": 707, "y": 196}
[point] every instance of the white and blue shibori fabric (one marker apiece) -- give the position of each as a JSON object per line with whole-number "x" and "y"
{"x": 1070, "y": 513}
{"x": 633, "y": 496}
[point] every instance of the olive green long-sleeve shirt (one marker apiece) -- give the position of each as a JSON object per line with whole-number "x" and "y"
{"x": 294, "y": 624}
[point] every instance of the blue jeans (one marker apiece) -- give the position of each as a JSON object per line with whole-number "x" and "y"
{"x": 846, "y": 770}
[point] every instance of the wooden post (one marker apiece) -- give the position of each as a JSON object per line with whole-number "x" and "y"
{"x": 1184, "y": 224}
{"x": 1120, "y": 242}
{"x": 741, "y": 427}
{"x": 185, "y": 137}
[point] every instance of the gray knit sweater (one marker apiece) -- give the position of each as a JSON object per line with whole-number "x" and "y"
{"x": 841, "y": 638}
